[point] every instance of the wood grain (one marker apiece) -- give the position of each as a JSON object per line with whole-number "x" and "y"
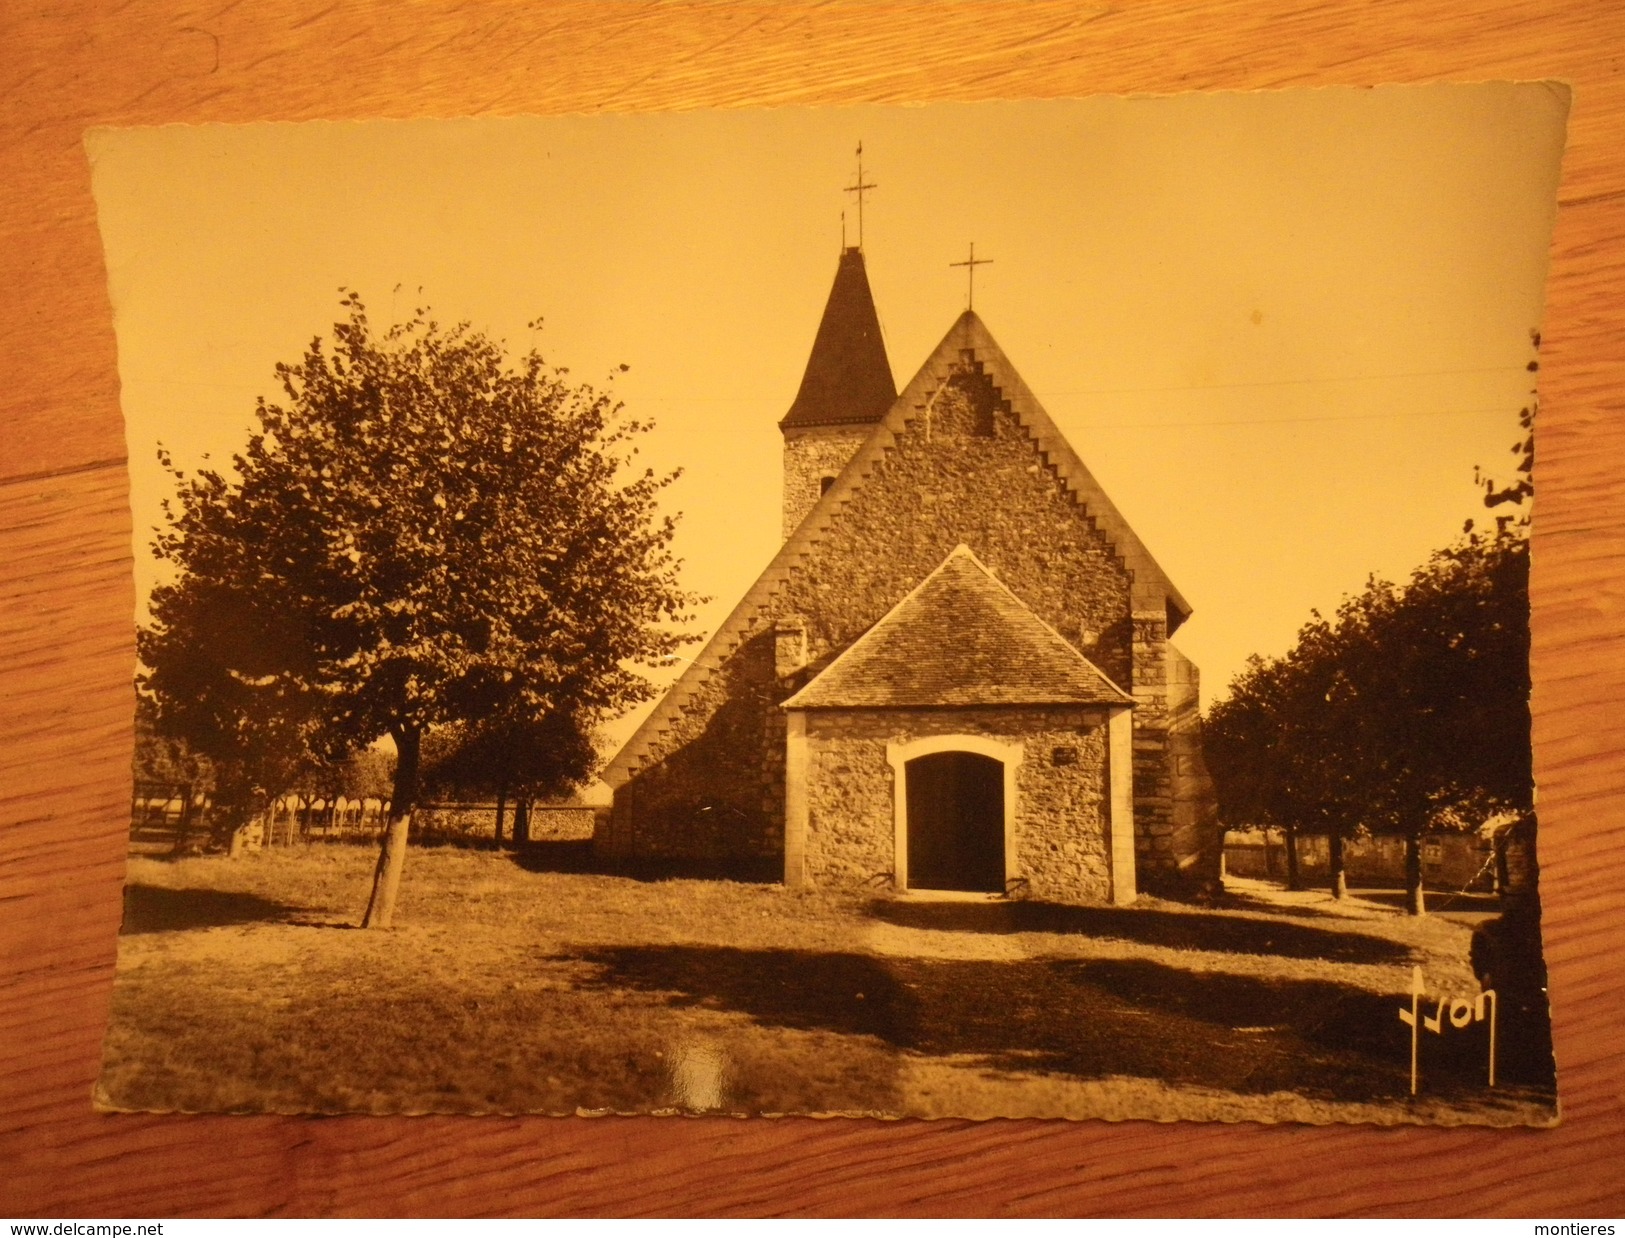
{"x": 66, "y": 598}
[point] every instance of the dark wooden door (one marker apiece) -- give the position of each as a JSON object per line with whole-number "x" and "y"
{"x": 955, "y": 822}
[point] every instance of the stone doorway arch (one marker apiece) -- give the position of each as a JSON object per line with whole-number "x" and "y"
{"x": 953, "y": 813}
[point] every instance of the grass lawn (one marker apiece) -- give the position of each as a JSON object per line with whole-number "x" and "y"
{"x": 529, "y": 987}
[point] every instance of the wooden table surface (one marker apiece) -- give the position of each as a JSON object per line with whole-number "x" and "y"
{"x": 66, "y": 598}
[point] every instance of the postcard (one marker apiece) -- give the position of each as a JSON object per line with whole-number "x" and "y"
{"x": 998, "y": 610}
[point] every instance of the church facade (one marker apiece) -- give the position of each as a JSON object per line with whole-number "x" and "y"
{"x": 956, "y": 673}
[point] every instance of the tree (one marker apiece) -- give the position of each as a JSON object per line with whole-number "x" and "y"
{"x": 1405, "y": 712}
{"x": 1456, "y": 639}
{"x": 167, "y": 763}
{"x": 528, "y": 757}
{"x": 421, "y": 534}
{"x": 367, "y": 774}
{"x": 1408, "y": 711}
{"x": 211, "y": 684}
{"x": 1267, "y": 746}
{"x": 1455, "y": 707}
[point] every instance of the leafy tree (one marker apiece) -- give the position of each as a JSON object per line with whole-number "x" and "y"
{"x": 1267, "y": 746}
{"x": 168, "y": 763}
{"x": 367, "y": 774}
{"x": 1457, "y": 703}
{"x": 1408, "y": 711}
{"x": 1405, "y": 712}
{"x": 211, "y": 685}
{"x": 527, "y": 757}
{"x": 420, "y": 534}
{"x": 1458, "y": 689}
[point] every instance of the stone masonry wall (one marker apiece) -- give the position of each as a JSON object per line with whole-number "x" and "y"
{"x": 850, "y": 838}
{"x": 1061, "y": 820}
{"x": 1063, "y": 825}
{"x": 969, "y": 473}
{"x": 1156, "y": 861}
{"x": 719, "y": 791}
{"x": 1196, "y": 839}
{"x": 944, "y": 484}
{"x": 809, "y": 457}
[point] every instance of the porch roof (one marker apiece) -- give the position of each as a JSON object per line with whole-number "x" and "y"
{"x": 961, "y": 638}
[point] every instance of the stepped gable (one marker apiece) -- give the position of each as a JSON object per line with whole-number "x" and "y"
{"x": 848, "y": 380}
{"x": 960, "y": 638}
{"x": 967, "y": 339}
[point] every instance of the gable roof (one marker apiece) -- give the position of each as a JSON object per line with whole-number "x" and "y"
{"x": 961, "y": 637}
{"x": 967, "y": 338}
{"x": 848, "y": 379}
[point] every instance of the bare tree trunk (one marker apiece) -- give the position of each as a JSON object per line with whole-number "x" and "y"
{"x": 521, "y": 820}
{"x": 183, "y": 827}
{"x": 502, "y": 804}
{"x": 1292, "y": 880}
{"x": 1415, "y": 904}
{"x": 386, "y": 877}
{"x": 1339, "y": 879}
{"x": 232, "y": 822}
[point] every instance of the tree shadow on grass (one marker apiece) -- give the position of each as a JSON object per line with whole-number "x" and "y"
{"x": 1088, "y": 1019}
{"x": 578, "y": 856}
{"x": 1437, "y": 900}
{"x": 162, "y": 909}
{"x": 1180, "y": 930}
{"x": 1237, "y": 900}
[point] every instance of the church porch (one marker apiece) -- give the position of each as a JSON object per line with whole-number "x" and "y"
{"x": 916, "y": 799}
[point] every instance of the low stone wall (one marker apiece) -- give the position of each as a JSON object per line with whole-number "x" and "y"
{"x": 1265, "y": 860}
{"x": 455, "y": 821}
{"x": 563, "y": 822}
{"x": 1452, "y": 861}
{"x": 472, "y": 821}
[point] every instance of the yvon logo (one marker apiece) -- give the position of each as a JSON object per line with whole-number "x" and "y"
{"x": 1460, "y": 1011}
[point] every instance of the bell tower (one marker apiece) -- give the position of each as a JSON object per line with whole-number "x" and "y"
{"x": 846, "y": 389}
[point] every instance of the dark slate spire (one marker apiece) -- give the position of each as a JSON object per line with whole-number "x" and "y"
{"x": 848, "y": 379}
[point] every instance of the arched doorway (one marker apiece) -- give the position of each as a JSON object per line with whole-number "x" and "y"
{"x": 955, "y": 822}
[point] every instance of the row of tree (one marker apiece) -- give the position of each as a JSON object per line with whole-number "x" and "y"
{"x": 1405, "y": 712}
{"x": 219, "y": 798}
{"x": 423, "y": 539}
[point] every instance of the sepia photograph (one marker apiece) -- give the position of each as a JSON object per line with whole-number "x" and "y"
{"x": 969, "y": 611}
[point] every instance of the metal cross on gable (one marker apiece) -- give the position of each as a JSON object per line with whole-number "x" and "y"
{"x": 858, "y": 187}
{"x": 970, "y": 264}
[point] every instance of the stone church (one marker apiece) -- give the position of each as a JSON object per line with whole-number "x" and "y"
{"x": 956, "y": 672}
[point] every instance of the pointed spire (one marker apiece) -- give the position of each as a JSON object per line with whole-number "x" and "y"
{"x": 848, "y": 379}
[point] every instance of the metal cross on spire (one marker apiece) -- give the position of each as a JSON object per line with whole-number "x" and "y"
{"x": 970, "y": 264}
{"x": 858, "y": 187}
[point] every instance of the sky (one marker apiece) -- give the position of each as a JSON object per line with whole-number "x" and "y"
{"x": 1281, "y": 328}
